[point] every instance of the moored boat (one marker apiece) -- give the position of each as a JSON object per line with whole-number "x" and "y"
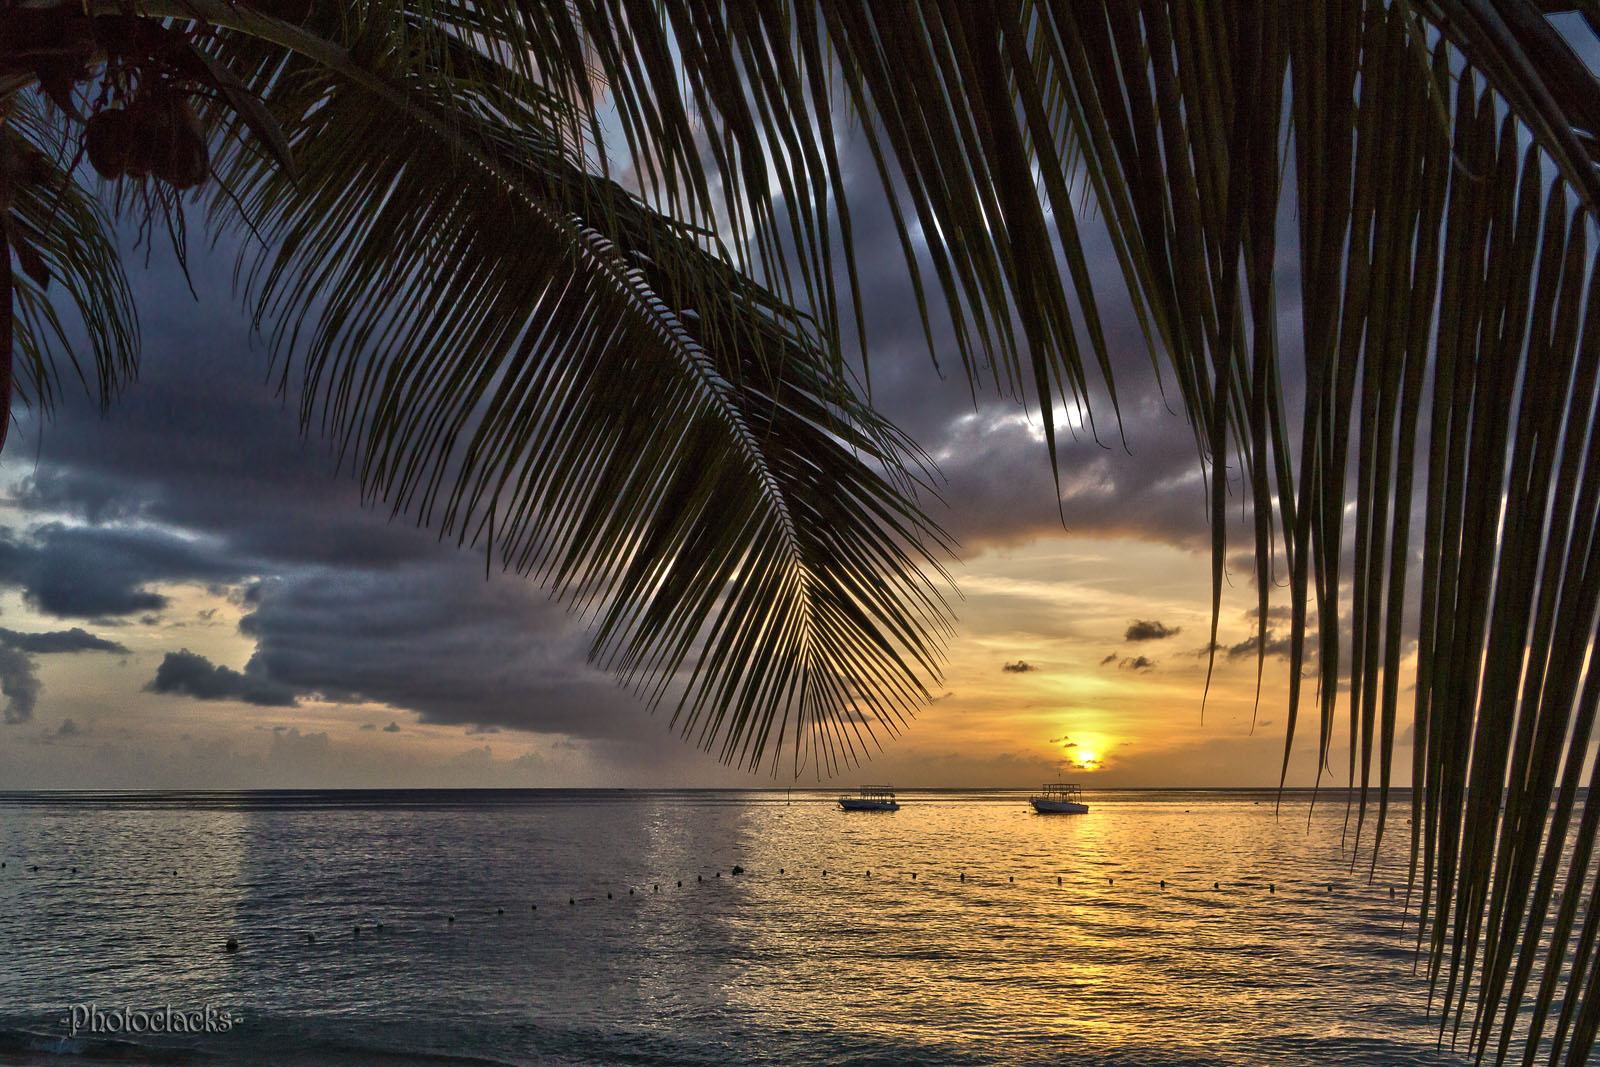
{"x": 871, "y": 798}
{"x": 1057, "y": 798}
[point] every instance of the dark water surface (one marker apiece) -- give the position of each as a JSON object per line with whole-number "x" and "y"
{"x": 782, "y": 964}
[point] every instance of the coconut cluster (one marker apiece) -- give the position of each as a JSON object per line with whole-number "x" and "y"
{"x": 157, "y": 133}
{"x": 142, "y": 77}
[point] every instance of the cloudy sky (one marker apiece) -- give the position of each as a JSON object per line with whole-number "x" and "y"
{"x": 192, "y": 596}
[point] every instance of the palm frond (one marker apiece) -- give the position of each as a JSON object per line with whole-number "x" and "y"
{"x": 526, "y": 356}
{"x": 72, "y": 288}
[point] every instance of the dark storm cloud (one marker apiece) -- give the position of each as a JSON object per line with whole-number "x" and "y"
{"x": 188, "y": 674}
{"x": 1137, "y": 474}
{"x": 1150, "y": 630}
{"x": 100, "y": 571}
{"x": 442, "y": 642}
{"x": 76, "y": 639}
{"x": 1019, "y": 667}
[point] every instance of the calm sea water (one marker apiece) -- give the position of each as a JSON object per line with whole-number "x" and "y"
{"x": 1058, "y": 947}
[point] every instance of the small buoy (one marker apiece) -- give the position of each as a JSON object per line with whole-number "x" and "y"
{"x": 913, "y": 876}
{"x": 310, "y": 938}
{"x": 380, "y": 927}
{"x": 451, "y": 919}
{"x": 1009, "y": 878}
{"x": 608, "y": 896}
{"x": 74, "y": 870}
{"x": 1330, "y": 887}
{"x": 630, "y": 890}
{"x": 869, "y": 872}
{"x": 680, "y": 883}
{"x": 35, "y": 868}
{"x": 963, "y": 876}
{"x": 533, "y": 907}
{"x": 780, "y": 870}
{"x": 1058, "y": 879}
{"x": 358, "y": 931}
{"x": 499, "y": 911}
{"x": 1163, "y": 883}
{"x": 719, "y": 874}
{"x": 1109, "y": 881}
{"x": 1391, "y": 892}
{"x": 824, "y": 874}
{"x": 232, "y": 945}
{"x": 698, "y": 878}
{"x": 737, "y": 869}
{"x": 1272, "y": 887}
{"x": 571, "y": 901}
{"x": 656, "y": 888}
{"x": 1216, "y": 885}
{"x": 174, "y": 873}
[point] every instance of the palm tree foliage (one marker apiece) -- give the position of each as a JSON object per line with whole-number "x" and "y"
{"x": 514, "y": 347}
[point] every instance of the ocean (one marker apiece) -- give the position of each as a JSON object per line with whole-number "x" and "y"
{"x": 704, "y": 927}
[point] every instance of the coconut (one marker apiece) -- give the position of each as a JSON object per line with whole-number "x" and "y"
{"x": 184, "y": 160}
{"x": 151, "y": 120}
{"x": 108, "y": 137}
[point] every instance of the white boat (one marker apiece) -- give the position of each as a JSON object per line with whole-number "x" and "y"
{"x": 1058, "y": 799}
{"x": 871, "y": 798}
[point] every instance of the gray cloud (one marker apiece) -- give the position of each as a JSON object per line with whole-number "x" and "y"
{"x": 98, "y": 571}
{"x": 1275, "y": 646}
{"x": 76, "y": 639}
{"x": 392, "y": 728}
{"x": 18, "y": 684}
{"x": 188, "y": 674}
{"x": 1137, "y": 663}
{"x": 439, "y": 640}
{"x": 1150, "y": 630}
{"x": 1019, "y": 667}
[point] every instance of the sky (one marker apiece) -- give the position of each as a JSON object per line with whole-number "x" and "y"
{"x": 193, "y": 596}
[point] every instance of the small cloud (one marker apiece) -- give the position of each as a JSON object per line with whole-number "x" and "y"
{"x": 1278, "y": 613}
{"x": 946, "y": 695}
{"x": 1112, "y": 658}
{"x": 474, "y": 731}
{"x": 1150, "y": 630}
{"x": 1140, "y": 663}
{"x": 369, "y": 726}
{"x": 1019, "y": 667}
{"x": 1064, "y": 742}
{"x": 392, "y": 728}
{"x": 68, "y": 728}
{"x": 1276, "y": 646}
